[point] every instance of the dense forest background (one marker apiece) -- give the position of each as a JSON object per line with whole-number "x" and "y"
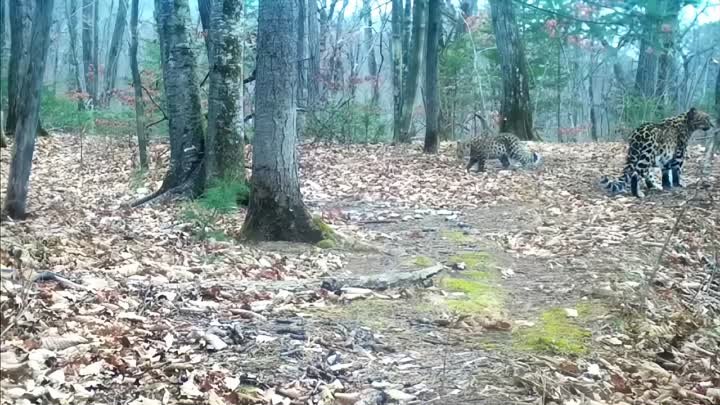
{"x": 586, "y": 63}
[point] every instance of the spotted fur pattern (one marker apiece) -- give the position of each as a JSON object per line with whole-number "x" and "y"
{"x": 503, "y": 146}
{"x": 657, "y": 147}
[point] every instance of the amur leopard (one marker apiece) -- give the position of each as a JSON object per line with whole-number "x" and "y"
{"x": 504, "y": 146}
{"x": 658, "y": 147}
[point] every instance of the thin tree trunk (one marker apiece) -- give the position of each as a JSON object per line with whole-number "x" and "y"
{"x": 3, "y": 140}
{"x": 56, "y": 43}
{"x": 397, "y": 67}
{"x": 370, "y": 50}
{"x": 96, "y": 53}
{"x": 89, "y": 72}
{"x": 516, "y": 109}
{"x": 137, "y": 87}
{"x": 415, "y": 59}
{"x": 205, "y": 7}
{"x": 276, "y": 210}
{"x": 28, "y": 112}
{"x": 225, "y": 148}
{"x": 114, "y": 51}
{"x": 186, "y": 175}
{"x": 591, "y": 96}
{"x": 20, "y": 28}
{"x": 313, "y": 55}
{"x": 71, "y": 11}
{"x": 432, "y": 96}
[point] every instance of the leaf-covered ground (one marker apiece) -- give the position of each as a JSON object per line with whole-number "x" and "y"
{"x": 551, "y": 291}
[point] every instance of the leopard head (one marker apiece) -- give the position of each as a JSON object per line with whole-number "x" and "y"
{"x": 698, "y": 120}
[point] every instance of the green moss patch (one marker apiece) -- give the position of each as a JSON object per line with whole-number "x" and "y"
{"x": 457, "y": 237}
{"x": 422, "y": 261}
{"x": 555, "y": 333}
{"x": 479, "y": 295}
{"x": 326, "y": 244}
{"x": 472, "y": 260}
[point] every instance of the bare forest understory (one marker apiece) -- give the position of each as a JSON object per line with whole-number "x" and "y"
{"x": 504, "y": 287}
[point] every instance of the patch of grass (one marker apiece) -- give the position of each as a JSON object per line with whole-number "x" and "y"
{"x": 472, "y": 260}
{"x": 457, "y": 237}
{"x": 422, "y": 261}
{"x": 555, "y": 333}
{"x": 479, "y": 296}
{"x": 326, "y": 244}
{"x": 224, "y": 196}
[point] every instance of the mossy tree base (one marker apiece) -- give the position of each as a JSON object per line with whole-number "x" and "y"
{"x": 279, "y": 219}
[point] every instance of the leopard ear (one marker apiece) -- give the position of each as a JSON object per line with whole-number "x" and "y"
{"x": 691, "y": 114}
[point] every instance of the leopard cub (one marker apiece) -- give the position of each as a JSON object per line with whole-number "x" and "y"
{"x": 504, "y": 146}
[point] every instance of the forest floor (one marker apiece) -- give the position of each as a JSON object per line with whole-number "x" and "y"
{"x": 551, "y": 292}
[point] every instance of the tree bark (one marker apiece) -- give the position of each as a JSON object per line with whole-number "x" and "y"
{"x": 28, "y": 111}
{"x": 225, "y": 148}
{"x": 137, "y": 87}
{"x": 313, "y": 54}
{"x": 415, "y": 59}
{"x": 71, "y": 16}
{"x": 3, "y": 140}
{"x": 114, "y": 52}
{"x": 370, "y": 50}
{"x": 432, "y": 96}
{"x": 516, "y": 109}
{"x": 205, "y": 7}
{"x": 397, "y": 67}
{"x": 302, "y": 72}
{"x": 186, "y": 175}
{"x": 276, "y": 210}
{"x": 20, "y": 14}
{"x": 89, "y": 69}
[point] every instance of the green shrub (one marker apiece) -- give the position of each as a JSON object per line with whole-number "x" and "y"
{"x": 223, "y": 196}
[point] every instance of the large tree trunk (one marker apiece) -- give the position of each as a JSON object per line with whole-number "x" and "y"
{"x": 186, "y": 176}
{"x": 114, "y": 51}
{"x": 370, "y": 50}
{"x": 668, "y": 28}
{"x": 28, "y": 111}
{"x": 20, "y": 28}
{"x": 224, "y": 149}
{"x": 276, "y": 210}
{"x": 137, "y": 87}
{"x": 3, "y": 140}
{"x": 432, "y": 96}
{"x": 397, "y": 67}
{"x": 313, "y": 54}
{"x": 415, "y": 59}
{"x": 205, "y": 7}
{"x": 71, "y": 11}
{"x": 89, "y": 69}
{"x": 516, "y": 109}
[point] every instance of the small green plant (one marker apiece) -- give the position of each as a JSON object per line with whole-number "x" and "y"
{"x": 223, "y": 196}
{"x": 556, "y": 334}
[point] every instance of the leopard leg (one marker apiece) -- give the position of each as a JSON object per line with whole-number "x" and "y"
{"x": 635, "y": 182}
{"x": 676, "y": 171}
{"x": 505, "y": 161}
{"x": 667, "y": 178}
{"x": 653, "y": 178}
{"x": 471, "y": 163}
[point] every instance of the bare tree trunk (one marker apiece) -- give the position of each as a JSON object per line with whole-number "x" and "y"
{"x": 20, "y": 27}
{"x": 71, "y": 11}
{"x": 370, "y": 50}
{"x": 225, "y": 148}
{"x": 28, "y": 111}
{"x": 591, "y": 96}
{"x": 56, "y": 43}
{"x": 397, "y": 67}
{"x": 669, "y": 25}
{"x": 186, "y": 175}
{"x": 205, "y": 7}
{"x": 313, "y": 54}
{"x": 415, "y": 58}
{"x": 3, "y": 140}
{"x": 516, "y": 109}
{"x": 432, "y": 96}
{"x": 89, "y": 69}
{"x": 276, "y": 210}
{"x": 302, "y": 73}
{"x": 96, "y": 53}
{"x": 114, "y": 51}
{"x": 137, "y": 87}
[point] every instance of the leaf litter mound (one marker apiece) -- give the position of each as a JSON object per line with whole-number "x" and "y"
{"x": 156, "y": 315}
